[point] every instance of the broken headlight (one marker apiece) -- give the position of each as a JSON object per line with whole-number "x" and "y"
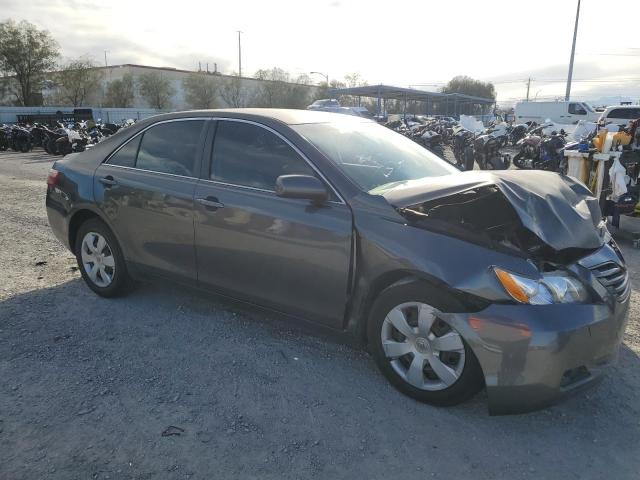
{"x": 553, "y": 287}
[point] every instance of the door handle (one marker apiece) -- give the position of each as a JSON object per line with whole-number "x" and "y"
{"x": 210, "y": 202}
{"x": 108, "y": 181}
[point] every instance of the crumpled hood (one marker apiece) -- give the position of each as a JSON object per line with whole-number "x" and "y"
{"x": 560, "y": 210}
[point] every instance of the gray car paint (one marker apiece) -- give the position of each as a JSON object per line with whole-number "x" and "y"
{"x": 382, "y": 250}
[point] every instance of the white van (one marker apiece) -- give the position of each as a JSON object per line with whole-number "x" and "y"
{"x": 558, "y": 112}
{"x": 620, "y": 114}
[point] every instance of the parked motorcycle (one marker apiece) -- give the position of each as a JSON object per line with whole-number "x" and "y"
{"x": 541, "y": 153}
{"x": 21, "y": 139}
{"x": 486, "y": 152}
{"x": 517, "y": 132}
{"x": 432, "y": 141}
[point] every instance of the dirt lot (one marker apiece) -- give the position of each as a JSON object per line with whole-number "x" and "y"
{"x": 168, "y": 383}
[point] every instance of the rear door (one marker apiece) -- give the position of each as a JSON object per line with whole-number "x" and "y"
{"x": 146, "y": 190}
{"x": 284, "y": 253}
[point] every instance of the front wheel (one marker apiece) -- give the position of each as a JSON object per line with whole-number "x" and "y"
{"x": 421, "y": 354}
{"x": 100, "y": 259}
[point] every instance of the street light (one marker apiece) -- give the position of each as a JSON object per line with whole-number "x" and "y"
{"x": 326, "y": 76}
{"x": 239, "y": 54}
{"x": 573, "y": 52}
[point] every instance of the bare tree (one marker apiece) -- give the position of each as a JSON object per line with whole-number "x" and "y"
{"x": 232, "y": 92}
{"x": 278, "y": 90}
{"x": 77, "y": 81}
{"x": 26, "y": 53}
{"x": 156, "y": 90}
{"x": 120, "y": 93}
{"x": 201, "y": 90}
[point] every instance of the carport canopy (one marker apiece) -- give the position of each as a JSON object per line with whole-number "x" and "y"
{"x": 435, "y": 102}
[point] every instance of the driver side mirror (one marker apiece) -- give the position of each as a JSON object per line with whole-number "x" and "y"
{"x": 301, "y": 186}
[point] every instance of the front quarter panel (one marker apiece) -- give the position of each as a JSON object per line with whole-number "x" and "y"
{"x": 386, "y": 243}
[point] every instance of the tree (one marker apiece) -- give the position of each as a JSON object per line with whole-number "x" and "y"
{"x": 77, "y": 81}
{"x": 470, "y": 86}
{"x": 201, "y": 90}
{"x": 120, "y": 93}
{"x": 277, "y": 89}
{"x": 232, "y": 92}
{"x": 156, "y": 90}
{"x": 26, "y": 53}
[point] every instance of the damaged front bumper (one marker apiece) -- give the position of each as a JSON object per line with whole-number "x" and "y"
{"x": 535, "y": 355}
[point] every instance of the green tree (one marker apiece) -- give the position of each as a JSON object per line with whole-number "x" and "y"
{"x": 156, "y": 89}
{"x": 120, "y": 93}
{"x": 470, "y": 86}
{"x": 201, "y": 90}
{"x": 26, "y": 53}
{"x": 77, "y": 81}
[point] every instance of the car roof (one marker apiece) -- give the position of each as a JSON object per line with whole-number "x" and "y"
{"x": 283, "y": 115}
{"x": 624, "y": 107}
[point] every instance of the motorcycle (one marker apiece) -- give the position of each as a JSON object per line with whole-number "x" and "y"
{"x": 542, "y": 153}
{"x": 462, "y": 140}
{"x": 486, "y": 152}
{"x": 5, "y": 137}
{"x": 432, "y": 141}
{"x": 21, "y": 139}
{"x": 517, "y": 132}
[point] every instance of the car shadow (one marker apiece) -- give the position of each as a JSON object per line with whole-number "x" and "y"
{"x": 115, "y": 372}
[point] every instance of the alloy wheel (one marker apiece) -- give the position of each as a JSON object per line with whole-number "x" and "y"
{"x": 97, "y": 259}
{"x": 422, "y": 349}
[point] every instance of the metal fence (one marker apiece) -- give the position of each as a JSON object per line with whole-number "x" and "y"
{"x": 108, "y": 115}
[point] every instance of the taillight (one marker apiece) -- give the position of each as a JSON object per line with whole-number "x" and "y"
{"x": 53, "y": 178}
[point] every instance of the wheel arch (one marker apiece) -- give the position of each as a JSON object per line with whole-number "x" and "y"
{"x": 443, "y": 296}
{"x": 79, "y": 217}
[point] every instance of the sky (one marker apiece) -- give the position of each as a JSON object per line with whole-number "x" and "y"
{"x": 419, "y": 43}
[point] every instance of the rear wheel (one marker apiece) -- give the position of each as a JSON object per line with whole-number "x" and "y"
{"x": 100, "y": 259}
{"x": 418, "y": 351}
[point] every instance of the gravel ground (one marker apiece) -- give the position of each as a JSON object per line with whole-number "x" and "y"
{"x": 168, "y": 383}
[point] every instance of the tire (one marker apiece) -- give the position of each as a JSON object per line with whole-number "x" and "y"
{"x": 462, "y": 380}
{"x": 518, "y": 161}
{"x": 25, "y": 146}
{"x": 496, "y": 163}
{"x": 115, "y": 270}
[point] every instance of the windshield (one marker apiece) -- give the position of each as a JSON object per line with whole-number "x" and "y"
{"x": 587, "y": 106}
{"x": 373, "y": 156}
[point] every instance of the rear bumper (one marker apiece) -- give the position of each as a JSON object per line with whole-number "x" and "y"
{"x": 534, "y": 356}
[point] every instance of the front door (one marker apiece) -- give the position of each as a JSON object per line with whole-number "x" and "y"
{"x": 283, "y": 253}
{"x": 146, "y": 189}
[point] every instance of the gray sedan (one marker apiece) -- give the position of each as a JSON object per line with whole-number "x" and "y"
{"x": 454, "y": 281}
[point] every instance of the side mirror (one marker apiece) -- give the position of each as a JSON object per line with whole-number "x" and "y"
{"x": 301, "y": 186}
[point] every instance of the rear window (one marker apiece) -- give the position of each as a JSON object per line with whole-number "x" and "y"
{"x": 126, "y": 156}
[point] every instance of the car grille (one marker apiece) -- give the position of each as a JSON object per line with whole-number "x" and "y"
{"x": 614, "y": 278}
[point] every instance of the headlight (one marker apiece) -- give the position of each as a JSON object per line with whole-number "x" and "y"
{"x": 553, "y": 287}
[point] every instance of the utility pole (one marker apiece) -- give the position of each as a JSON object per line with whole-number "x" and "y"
{"x": 105, "y": 58}
{"x": 239, "y": 55}
{"x": 573, "y": 52}
{"x": 528, "y": 87}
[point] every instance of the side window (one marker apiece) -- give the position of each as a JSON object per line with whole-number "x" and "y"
{"x": 251, "y": 156}
{"x": 617, "y": 113}
{"x": 171, "y": 147}
{"x": 126, "y": 156}
{"x": 627, "y": 113}
{"x": 576, "y": 109}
